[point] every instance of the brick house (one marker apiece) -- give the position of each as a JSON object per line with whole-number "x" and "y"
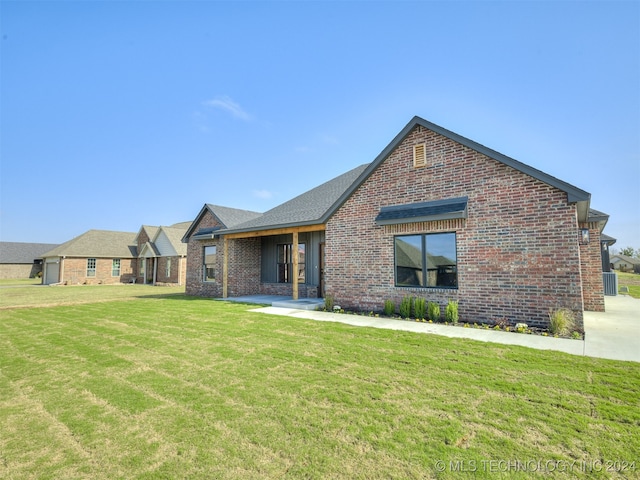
{"x": 21, "y": 259}
{"x": 162, "y": 257}
{"x": 435, "y": 215}
{"x": 95, "y": 257}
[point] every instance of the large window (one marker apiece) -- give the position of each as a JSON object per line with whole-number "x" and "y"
{"x": 428, "y": 260}
{"x": 115, "y": 267}
{"x": 91, "y": 267}
{"x": 209, "y": 266}
{"x": 285, "y": 263}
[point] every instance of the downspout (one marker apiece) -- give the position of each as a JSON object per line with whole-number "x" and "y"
{"x": 61, "y": 279}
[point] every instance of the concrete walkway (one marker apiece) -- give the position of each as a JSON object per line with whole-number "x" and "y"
{"x": 614, "y": 334}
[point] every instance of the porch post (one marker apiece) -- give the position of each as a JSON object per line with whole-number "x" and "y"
{"x": 225, "y": 266}
{"x": 295, "y": 265}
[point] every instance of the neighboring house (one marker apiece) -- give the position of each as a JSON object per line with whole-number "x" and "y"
{"x": 162, "y": 257}
{"x": 435, "y": 215}
{"x": 625, "y": 263}
{"x": 95, "y": 257}
{"x": 21, "y": 259}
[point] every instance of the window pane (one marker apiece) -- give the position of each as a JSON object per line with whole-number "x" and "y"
{"x": 441, "y": 260}
{"x": 301, "y": 263}
{"x": 209, "y": 257}
{"x": 285, "y": 263}
{"x": 409, "y": 261}
{"x": 91, "y": 267}
{"x": 115, "y": 267}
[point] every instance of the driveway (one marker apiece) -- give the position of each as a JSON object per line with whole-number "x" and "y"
{"x": 614, "y": 333}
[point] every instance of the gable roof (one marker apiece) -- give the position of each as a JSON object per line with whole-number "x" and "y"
{"x": 318, "y": 205}
{"x": 97, "y": 243}
{"x": 627, "y": 259}
{"x": 150, "y": 230}
{"x": 574, "y": 194}
{"x": 22, "y": 252}
{"x": 310, "y": 208}
{"x": 229, "y": 217}
{"x": 174, "y": 236}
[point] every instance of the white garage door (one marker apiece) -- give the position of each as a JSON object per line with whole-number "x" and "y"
{"x": 52, "y": 272}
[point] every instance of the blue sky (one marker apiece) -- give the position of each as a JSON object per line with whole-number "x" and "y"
{"x": 116, "y": 114}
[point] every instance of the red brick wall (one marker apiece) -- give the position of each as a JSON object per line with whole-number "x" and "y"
{"x": 518, "y": 254}
{"x": 177, "y": 272}
{"x": 591, "y": 265}
{"x": 75, "y": 271}
{"x": 244, "y": 266}
{"x": 142, "y": 239}
{"x": 194, "y": 274}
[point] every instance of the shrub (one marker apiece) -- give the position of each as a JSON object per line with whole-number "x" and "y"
{"x": 419, "y": 307}
{"x": 405, "y": 307}
{"x": 433, "y": 311}
{"x": 451, "y": 312}
{"x": 561, "y": 321}
{"x": 328, "y": 303}
{"x": 389, "y": 308}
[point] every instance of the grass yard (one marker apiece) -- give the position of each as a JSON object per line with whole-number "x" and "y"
{"x": 45, "y": 296}
{"x": 176, "y": 387}
{"x": 631, "y": 281}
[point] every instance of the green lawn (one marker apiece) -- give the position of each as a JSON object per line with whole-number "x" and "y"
{"x": 631, "y": 281}
{"x": 45, "y": 296}
{"x": 19, "y": 282}
{"x": 175, "y": 387}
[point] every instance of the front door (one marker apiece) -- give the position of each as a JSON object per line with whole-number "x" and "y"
{"x": 321, "y": 272}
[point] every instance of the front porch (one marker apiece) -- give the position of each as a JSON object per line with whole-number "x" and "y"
{"x": 280, "y": 301}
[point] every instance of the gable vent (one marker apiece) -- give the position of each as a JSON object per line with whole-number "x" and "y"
{"x": 419, "y": 155}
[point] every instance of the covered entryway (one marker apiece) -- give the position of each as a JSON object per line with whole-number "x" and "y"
{"x": 280, "y": 301}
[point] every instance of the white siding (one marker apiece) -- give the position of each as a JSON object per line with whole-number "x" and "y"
{"x": 164, "y": 245}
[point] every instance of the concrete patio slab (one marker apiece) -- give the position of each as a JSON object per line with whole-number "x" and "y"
{"x": 614, "y": 333}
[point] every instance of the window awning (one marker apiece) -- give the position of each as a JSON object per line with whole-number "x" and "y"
{"x": 423, "y": 211}
{"x": 206, "y": 233}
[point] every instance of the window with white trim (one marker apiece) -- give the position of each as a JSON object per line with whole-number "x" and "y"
{"x": 91, "y": 267}
{"x": 115, "y": 267}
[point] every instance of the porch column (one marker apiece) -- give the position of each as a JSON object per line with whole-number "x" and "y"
{"x": 295, "y": 265}
{"x": 225, "y": 266}
{"x": 155, "y": 270}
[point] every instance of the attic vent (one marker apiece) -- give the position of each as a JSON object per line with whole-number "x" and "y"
{"x": 419, "y": 155}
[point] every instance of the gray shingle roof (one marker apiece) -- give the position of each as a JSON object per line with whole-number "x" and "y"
{"x": 317, "y": 205}
{"x": 309, "y": 208}
{"x": 229, "y": 217}
{"x": 22, "y": 252}
{"x": 98, "y": 244}
{"x": 631, "y": 260}
{"x": 232, "y": 216}
{"x": 175, "y": 234}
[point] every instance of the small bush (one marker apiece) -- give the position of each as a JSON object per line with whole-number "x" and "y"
{"x": 561, "y": 321}
{"x": 405, "y": 307}
{"x": 420, "y": 309}
{"x": 451, "y": 312}
{"x": 389, "y": 308}
{"x": 433, "y": 311}
{"x": 328, "y": 303}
